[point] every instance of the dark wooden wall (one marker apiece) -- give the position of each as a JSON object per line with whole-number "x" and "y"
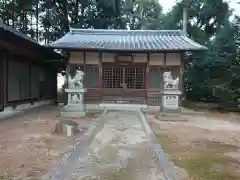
{"x": 1, "y": 83}
{"x": 27, "y": 80}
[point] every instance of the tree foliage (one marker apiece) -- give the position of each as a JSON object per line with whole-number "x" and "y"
{"x": 209, "y": 76}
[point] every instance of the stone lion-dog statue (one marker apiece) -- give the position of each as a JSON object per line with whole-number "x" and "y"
{"x": 77, "y": 80}
{"x": 169, "y": 81}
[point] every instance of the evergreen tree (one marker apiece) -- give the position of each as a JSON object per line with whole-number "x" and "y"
{"x": 209, "y": 76}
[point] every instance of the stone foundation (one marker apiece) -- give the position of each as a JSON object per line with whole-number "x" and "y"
{"x": 75, "y": 107}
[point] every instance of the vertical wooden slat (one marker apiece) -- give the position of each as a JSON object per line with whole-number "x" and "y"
{"x": 100, "y": 75}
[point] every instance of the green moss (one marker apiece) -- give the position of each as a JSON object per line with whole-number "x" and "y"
{"x": 166, "y": 143}
{"x": 201, "y": 165}
{"x": 200, "y": 162}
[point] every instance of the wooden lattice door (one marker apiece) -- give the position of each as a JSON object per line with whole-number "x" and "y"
{"x": 125, "y": 83}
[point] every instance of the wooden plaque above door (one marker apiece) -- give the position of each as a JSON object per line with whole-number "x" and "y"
{"x": 127, "y": 58}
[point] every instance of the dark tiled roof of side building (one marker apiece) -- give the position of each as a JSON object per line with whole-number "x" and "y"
{"x": 126, "y": 40}
{"x": 16, "y": 32}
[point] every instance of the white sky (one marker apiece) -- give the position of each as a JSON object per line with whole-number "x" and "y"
{"x": 167, "y": 5}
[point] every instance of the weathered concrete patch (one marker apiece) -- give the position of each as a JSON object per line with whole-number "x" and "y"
{"x": 120, "y": 150}
{"x": 169, "y": 170}
{"x": 74, "y": 156}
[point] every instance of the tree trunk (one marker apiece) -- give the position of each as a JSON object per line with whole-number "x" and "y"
{"x": 37, "y": 19}
{"x": 65, "y": 18}
{"x": 75, "y": 20}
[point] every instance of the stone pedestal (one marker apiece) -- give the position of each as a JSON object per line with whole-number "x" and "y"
{"x": 75, "y": 106}
{"x": 171, "y": 100}
{"x": 170, "y": 106}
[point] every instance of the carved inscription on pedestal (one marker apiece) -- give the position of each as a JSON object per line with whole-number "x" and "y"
{"x": 171, "y": 101}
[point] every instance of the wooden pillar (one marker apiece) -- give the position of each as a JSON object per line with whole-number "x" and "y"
{"x": 165, "y": 61}
{"x": 56, "y": 84}
{"x": 100, "y": 75}
{"x": 67, "y": 77}
{"x": 84, "y": 62}
{"x": 147, "y": 77}
{"x": 30, "y": 79}
{"x": 164, "y": 66}
{"x": 2, "y": 87}
{"x": 67, "y": 69}
{"x": 84, "y": 68}
{"x": 182, "y": 69}
{"x": 6, "y": 64}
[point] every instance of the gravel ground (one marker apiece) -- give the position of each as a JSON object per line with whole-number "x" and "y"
{"x": 120, "y": 151}
{"x": 199, "y": 136}
{"x": 28, "y": 148}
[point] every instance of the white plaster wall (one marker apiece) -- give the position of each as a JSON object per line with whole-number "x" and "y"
{"x": 92, "y": 58}
{"x": 140, "y": 58}
{"x": 173, "y": 59}
{"x": 76, "y": 58}
{"x": 156, "y": 59}
{"x": 108, "y": 57}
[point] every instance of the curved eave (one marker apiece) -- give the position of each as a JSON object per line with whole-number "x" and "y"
{"x": 130, "y": 41}
{"x": 126, "y": 50}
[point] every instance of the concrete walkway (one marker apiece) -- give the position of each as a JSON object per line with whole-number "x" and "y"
{"x": 120, "y": 150}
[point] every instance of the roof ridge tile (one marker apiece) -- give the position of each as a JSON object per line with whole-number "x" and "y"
{"x": 125, "y": 32}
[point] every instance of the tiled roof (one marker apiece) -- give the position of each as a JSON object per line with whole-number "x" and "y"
{"x": 18, "y": 33}
{"x": 15, "y": 33}
{"x": 129, "y": 40}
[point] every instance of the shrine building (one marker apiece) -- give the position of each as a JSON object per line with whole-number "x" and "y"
{"x": 126, "y": 66}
